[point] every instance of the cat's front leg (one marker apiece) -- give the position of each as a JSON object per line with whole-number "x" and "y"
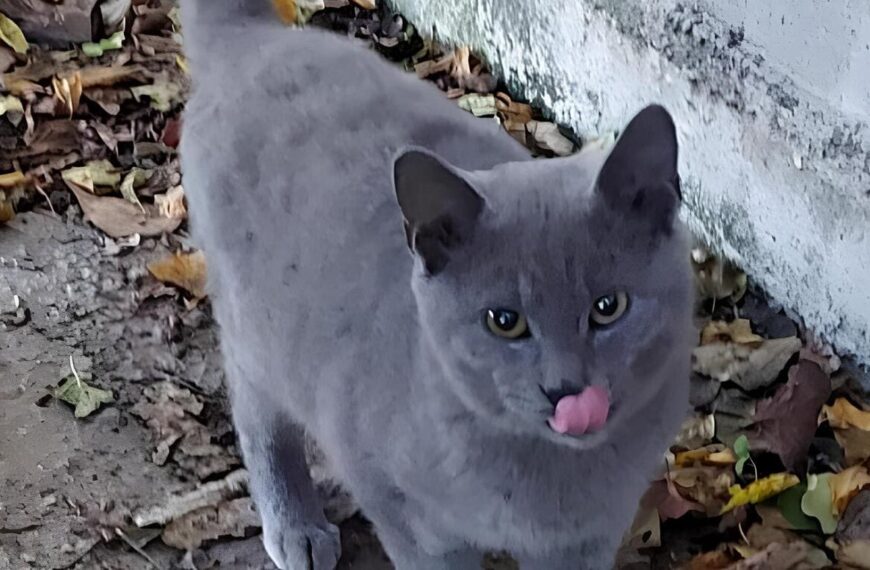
{"x": 296, "y": 534}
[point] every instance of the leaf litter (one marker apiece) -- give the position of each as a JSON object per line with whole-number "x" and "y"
{"x": 774, "y": 457}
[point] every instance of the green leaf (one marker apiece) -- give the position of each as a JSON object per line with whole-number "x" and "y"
{"x": 818, "y": 502}
{"x": 136, "y": 177}
{"x": 789, "y": 504}
{"x": 86, "y": 399}
{"x": 115, "y": 41}
{"x": 741, "y": 450}
{"x": 11, "y": 35}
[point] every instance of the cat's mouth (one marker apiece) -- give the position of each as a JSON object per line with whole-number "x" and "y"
{"x": 581, "y": 413}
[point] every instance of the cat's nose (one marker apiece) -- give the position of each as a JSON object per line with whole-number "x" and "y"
{"x": 566, "y": 388}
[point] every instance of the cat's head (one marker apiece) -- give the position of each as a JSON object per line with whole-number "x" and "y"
{"x": 539, "y": 279}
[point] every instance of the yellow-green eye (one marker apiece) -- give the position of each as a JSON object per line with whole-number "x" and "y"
{"x": 507, "y": 324}
{"x": 609, "y": 308}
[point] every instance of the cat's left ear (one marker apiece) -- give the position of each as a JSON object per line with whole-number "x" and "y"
{"x": 440, "y": 208}
{"x": 640, "y": 176}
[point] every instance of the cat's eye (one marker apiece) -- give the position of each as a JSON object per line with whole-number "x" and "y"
{"x": 507, "y": 324}
{"x": 608, "y": 309}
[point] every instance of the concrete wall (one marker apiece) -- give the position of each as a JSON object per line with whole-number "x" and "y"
{"x": 772, "y": 101}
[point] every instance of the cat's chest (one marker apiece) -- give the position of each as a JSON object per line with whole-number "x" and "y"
{"x": 501, "y": 493}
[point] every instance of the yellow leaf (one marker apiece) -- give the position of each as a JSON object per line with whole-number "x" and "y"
{"x": 286, "y": 10}
{"x": 738, "y": 330}
{"x": 12, "y": 105}
{"x": 366, "y": 4}
{"x": 716, "y": 454}
{"x": 186, "y": 270}
{"x": 760, "y": 490}
{"x": 12, "y": 179}
{"x": 846, "y": 484}
{"x": 11, "y": 35}
{"x": 7, "y": 212}
{"x": 844, "y": 415}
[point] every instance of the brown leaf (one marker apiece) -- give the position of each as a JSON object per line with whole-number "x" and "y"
{"x": 511, "y": 110}
{"x": 101, "y": 76}
{"x": 716, "y": 278}
{"x": 716, "y": 560}
{"x": 747, "y": 366}
{"x": 664, "y": 497}
{"x": 707, "y": 486}
{"x": 236, "y": 518}
{"x": 119, "y": 218}
{"x": 68, "y": 92}
{"x": 851, "y": 428}
{"x": 366, "y": 4}
{"x": 846, "y": 485}
{"x": 186, "y": 270}
{"x": 786, "y": 422}
{"x": 171, "y": 414}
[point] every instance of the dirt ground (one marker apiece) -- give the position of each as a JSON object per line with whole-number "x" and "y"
{"x": 66, "y": 482}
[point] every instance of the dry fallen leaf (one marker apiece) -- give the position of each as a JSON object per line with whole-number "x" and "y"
{"x": 747, "y": 366}
{"x": 760, "y": 490}
{"x": 697, "y": 430}
{"x": 11, "y": 35}
{"x": 547, "y": 137}
{"x": 236, "y": 517}
{"x": 95, "y": 173}
{"x": 68, "y": 92}
{"x": 714, "y": 454}
{"x": 786, "y": 422}
{"x": 846, "y": 484}
{"x": 171, "y": 414}
{"x": 843, "y": 414}
{"x": 707, "y": 486}
{"x": 797, "y": 555}
{"x": 851, "y": 428}
{"x": 119, "y": 218}
{"x": 738, "y": 330}
{"x": 716, "y": 278}
{"x": 366, "y": 4}
{"x": 186, "y": 270}
{"x": 716, "y": 560}
{"x": 478, "y": 105}
{"x": 171, "y": 203}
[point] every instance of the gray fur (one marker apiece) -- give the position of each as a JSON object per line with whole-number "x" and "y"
{"x": 330, "y": 324}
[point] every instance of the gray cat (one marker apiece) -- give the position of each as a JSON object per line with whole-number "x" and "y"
{"x": 492, "y": 351}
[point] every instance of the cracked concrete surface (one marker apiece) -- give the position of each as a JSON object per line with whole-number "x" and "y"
{"x": 772, "y": 106}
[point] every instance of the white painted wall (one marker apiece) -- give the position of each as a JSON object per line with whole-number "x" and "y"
{"x": 773, "y": 126}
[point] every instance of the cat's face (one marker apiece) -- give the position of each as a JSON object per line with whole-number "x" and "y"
{"x": 555, "y": 281}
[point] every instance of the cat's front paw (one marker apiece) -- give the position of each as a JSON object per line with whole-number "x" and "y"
{"x": 302, "y": 546}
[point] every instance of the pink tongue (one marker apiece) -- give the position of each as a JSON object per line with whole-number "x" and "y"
{"x": 581, "y": 413}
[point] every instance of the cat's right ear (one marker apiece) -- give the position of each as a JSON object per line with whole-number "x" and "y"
{"x": 440, "y": 208}
{"x": 639, "y": 177}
